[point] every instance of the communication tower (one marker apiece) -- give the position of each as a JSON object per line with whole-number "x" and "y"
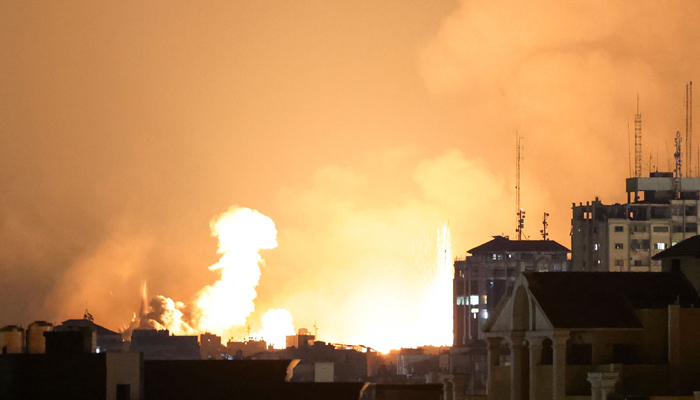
{"x": 689, "y": 129}
{"x": 678, "y": 173}
{"x": 638, "y": 142}
{"x": 545, "y": 224}
{"x": 520, "y": 220}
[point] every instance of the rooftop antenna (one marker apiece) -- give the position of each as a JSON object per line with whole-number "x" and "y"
{"x": 248, "y": 330}
{"x": 656, "y": 167}
{"x": 545, "y": 224}
{"x": 689, "y": 129}
{"x": 629, "y": 149}
{"x": 638, "y": 142}
{"x": 678, "y": 173}
{"x": 520, "y": 221}
{"x": 315, "y": 330}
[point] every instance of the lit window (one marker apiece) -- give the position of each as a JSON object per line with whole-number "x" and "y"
{"x": 660, "y": 246}
{"x": 474, "y": 300}
{"x": 484, "y": 298}
{"x": 619, "y": 246}
{"x": 485, "y": 314}
{"x": 619, "y": 263}
{"x": 460, "y": 301}
{"x": 475, "y": 310}
{"x": 595, "y": 247}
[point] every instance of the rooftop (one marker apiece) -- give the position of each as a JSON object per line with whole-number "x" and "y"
{"x": 501, "y": 244}
{"x": 606, "y": 299}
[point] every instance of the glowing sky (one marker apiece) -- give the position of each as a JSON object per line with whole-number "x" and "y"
{"x": 359, "y": 128}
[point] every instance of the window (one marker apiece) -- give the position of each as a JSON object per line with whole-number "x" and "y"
{"x": 659, "y": 246}
{"x": 595, "y": 247}
{"x": 645, "y": 244}
{"x": 475, "y": 310}
{"x": 691, "y": 227}
{"x": 677, "y": 228}
{"x": 496, "y": 256}
{"x": 637, "y": 263}
{"x": 619, "y": 263}
{"x": 527, "y": 257}
{"x": 474, "y": 299}
{"x": 661, "y": 229}
{"x": 619, "y": 228}
{"x": 484, "y": 299}
{"x": 640, "y": 228}
{"x": 619, "y": 246}
{"x": 461, "y": 301}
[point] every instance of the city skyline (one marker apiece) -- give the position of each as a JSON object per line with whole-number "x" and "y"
{"x": 360, "y": 129}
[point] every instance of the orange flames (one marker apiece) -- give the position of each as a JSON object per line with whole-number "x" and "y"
{"x": 422, "y": 317}
{"x": 223, "y": 307}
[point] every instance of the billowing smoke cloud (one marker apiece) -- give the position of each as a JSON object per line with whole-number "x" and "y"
{"x": 223, "y": 307}
{"x": 367, "y": 253}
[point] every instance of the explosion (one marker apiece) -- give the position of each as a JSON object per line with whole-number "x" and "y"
{"x": 223, "y": 307}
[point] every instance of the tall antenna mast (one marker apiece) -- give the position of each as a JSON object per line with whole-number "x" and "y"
{"x": 689, "y": 129}
{"x": 638, "y": 142}
{"x": 678, "y": 173}
{"x": 629, "y": 149}
{"x": 545, "y": 224}
{"x": 520, "y": 220}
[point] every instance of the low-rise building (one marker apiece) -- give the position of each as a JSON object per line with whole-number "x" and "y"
{"x": 594, "y": 334}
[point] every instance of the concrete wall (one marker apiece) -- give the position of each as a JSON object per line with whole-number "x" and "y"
{"x": 324, "y": 371}
{"x": 124, "y": 368}
{"x": 653, "y": 342}
{"x": 689, "y": 333}
{"x": 501, "y": 377}
{"x": 544, "y": 382}
{"x": 577, "y": 379}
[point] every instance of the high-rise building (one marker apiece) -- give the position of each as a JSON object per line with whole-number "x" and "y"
{"x": 661, "y": 210}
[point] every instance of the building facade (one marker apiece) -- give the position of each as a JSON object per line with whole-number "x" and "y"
{"x": 635, "y": 338}
{"x": 660, "y": 211}
{"x": 481, "y": 280}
